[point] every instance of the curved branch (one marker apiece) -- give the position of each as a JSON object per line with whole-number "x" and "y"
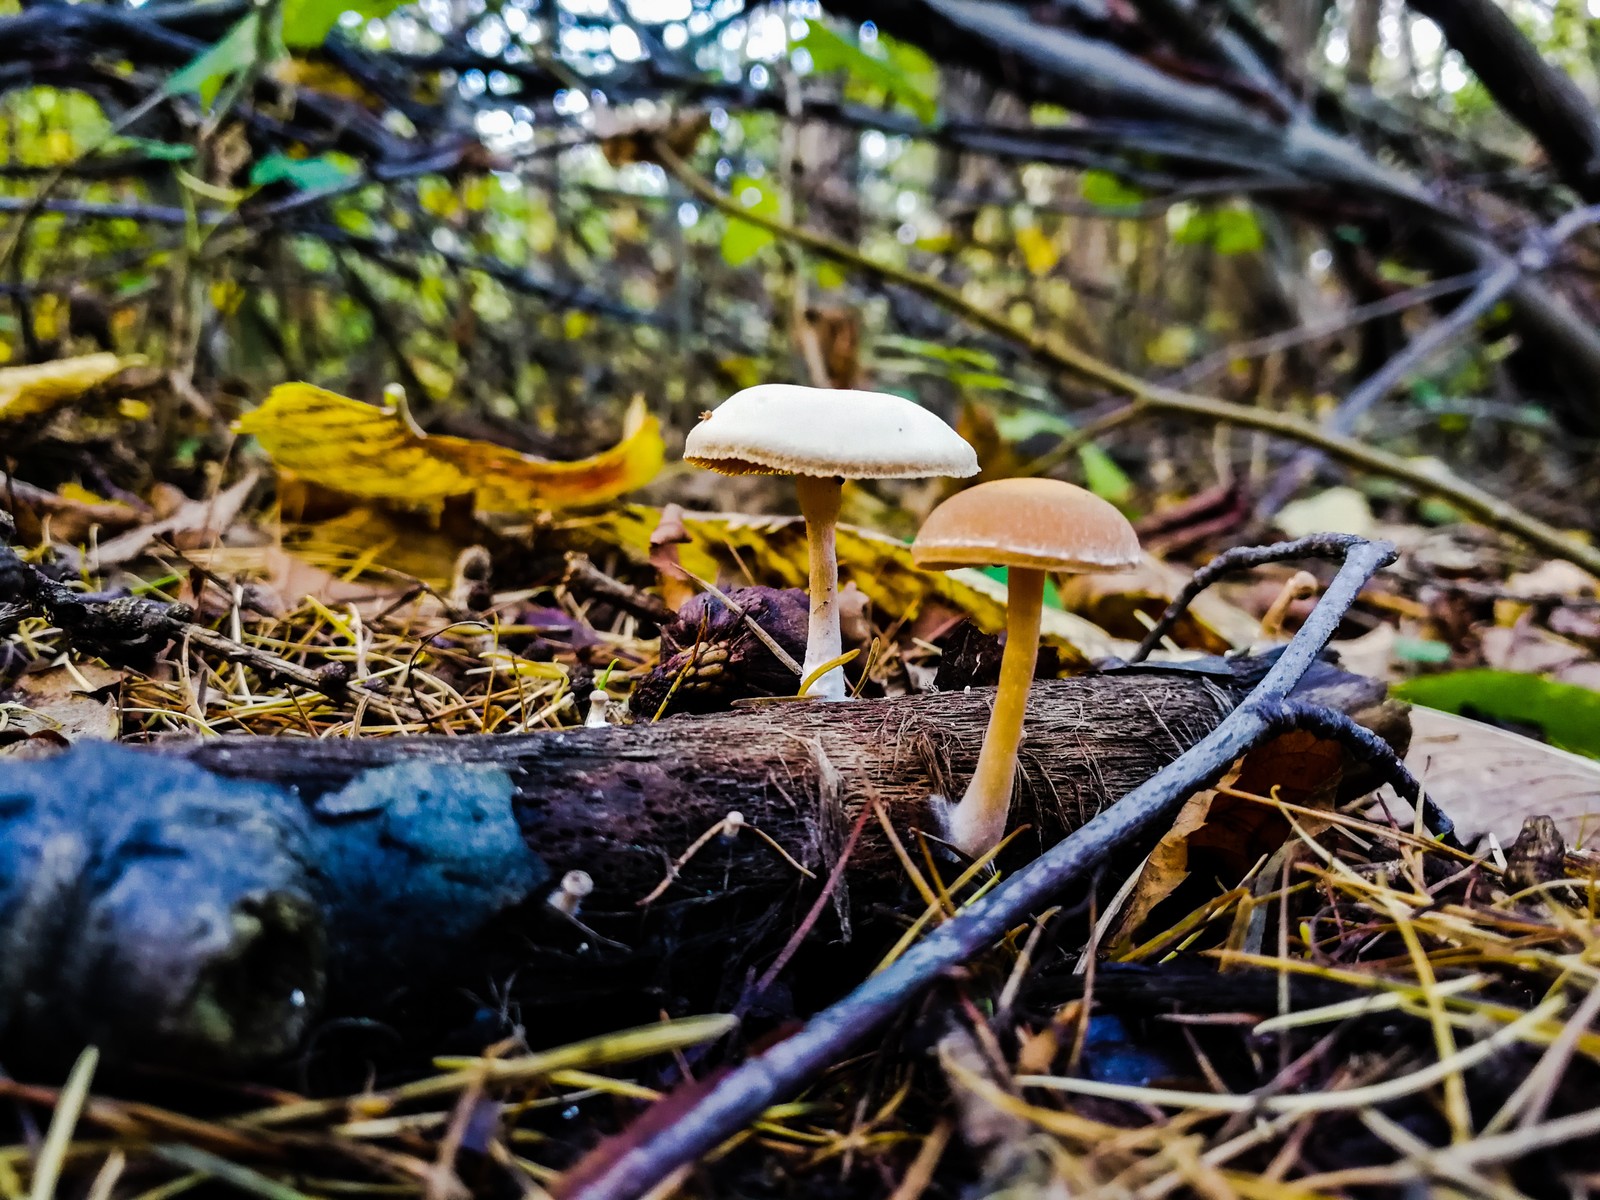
{"x": 1149, "y": 398}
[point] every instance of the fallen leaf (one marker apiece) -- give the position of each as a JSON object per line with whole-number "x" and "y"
{"x": 1162, "y": 872}
{"x": 34, "y": 390}
{"x": 195, "y": 523}
{"x": 280, "y": 580}
{"x": 1567, "y": 715}
{"x": 1117, "y": 602}
{"x": 1554, "y": 578}
{"x": 67, "y": 702}
{"x": 1337, "y": 510}
{"x": 1528, "y": 649}
{"x": 67, "y": 519}
{"x": 360, "y": 450}
{"x": 1371, "y": 654}
{"x": 1489, "y": 780}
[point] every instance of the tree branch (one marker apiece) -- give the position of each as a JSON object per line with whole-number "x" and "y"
{"x": 1536, "y": 94}
{"x": 1149, "y": 398}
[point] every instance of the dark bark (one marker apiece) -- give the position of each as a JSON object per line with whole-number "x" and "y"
{"x": 1539, "y": 96}
{"x": 167, "y": 911}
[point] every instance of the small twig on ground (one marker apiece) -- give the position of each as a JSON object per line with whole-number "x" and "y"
{"x": 746, "y": 1091}
{"x": 582, "y": 575}
{"x": 1333, "y": 546}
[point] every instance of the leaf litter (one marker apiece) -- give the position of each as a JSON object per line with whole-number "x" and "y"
{"x": 1296, "y": 995}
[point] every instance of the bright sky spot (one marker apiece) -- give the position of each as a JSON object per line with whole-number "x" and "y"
{"x": 625, "y": 44}
{"x": 659, "y": 12}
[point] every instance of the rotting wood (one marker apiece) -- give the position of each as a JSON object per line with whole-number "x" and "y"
{"x": 419, "y": 899}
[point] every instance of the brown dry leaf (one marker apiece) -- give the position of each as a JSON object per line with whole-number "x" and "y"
{"x": 1300, "y": 768}
{"x": 34, "y": 390}
{"x": 1111, "y": 601}
{"x": 65, "y": 518}
{"x": 772, "y": 550}
{"x": 1490, "y": 780}
{"x": 1165, "y": 868}
{"x": 1526, "y": 648}
{"x": 281, "y": 580}
{"x": 1231, "y": 834}
{"x": 67, "y": 702}
{"x": 360, "y": 450}
{"x": 195, "y": 523}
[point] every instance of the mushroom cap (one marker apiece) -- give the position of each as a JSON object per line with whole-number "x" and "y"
{"x": 1039, "y": 523}
{"x": 786, "y": 429}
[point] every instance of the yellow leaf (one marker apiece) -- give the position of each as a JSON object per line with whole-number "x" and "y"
{"x": 1038, "y": 251}
{"x": 1172, "y": 347}
{"x": 354, "y": 448}
{"x": 42, "y": 388}
{"x": 773, "y": 551}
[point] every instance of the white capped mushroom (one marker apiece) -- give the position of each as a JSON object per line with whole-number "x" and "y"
{"x": 823, "y": 436}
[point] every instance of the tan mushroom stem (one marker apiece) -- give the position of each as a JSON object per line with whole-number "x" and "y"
{"x": 979, "y": 822}
{"x": 819, "y": 504}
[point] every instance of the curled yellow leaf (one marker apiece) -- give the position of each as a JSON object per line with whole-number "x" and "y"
{"x": 40, "y": 388}
{"x": 360, "y": 450}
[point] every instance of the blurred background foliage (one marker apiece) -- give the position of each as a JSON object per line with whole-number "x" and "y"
{"x": 1260, "y": 201}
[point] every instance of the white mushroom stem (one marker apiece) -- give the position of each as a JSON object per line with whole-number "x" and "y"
{"x": 979, "y": 822}
{"x": 819, "y": 504}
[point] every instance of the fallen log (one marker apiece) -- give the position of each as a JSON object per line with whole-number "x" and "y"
{"x": 206, "y": 903}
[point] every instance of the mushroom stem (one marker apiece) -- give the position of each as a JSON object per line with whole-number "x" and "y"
{"x": 819, "y": 504}
{"x": 979, "y": 822}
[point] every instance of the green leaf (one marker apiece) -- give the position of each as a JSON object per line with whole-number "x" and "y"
{"x": 150, "y": 148}
{"x": 1104, "y": 190}
{"x": 1236, "y": 232}
{"x": 1226, "y": 230}
{"x": 905, "y": 74}
{"x": 1102, "y": 476}
{"x": 981, "y": 380}
{"x": 212, "y": 68}
{"x": 742, "y": 241}
{"x": 828, "y": 275}
{"x": 307, "y": 174}
{"x": 1421, "y": 650}
{"x": 307, "y": 23}
{"x": 1568, "y": 715}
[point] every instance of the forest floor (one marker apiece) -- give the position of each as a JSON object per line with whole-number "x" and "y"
{"x": 1329, "y": 1002}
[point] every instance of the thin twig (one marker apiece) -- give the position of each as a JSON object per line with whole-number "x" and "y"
{"x": 1536, "y": 255}
{"x": 1151, "y": 399}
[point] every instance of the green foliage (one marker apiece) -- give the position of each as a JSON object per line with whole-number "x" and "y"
{"x": 1103, "y": 477}
{"x": 1105, "y": 190}
{"x": 307, "y": 174}
{"x": 236, "y": 52}
{"x": 1225, "y": 230}
{"x": 904, "y": 73}
{"x": 148, "y": 148}
{"x": 307, "y": 23}
{"x": 743, "y": 241}
{"x": 1568, "y": 715}
{"x": 1421, "y": 650}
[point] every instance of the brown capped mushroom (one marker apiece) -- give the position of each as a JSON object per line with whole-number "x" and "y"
{"x": 1029, "y": 526}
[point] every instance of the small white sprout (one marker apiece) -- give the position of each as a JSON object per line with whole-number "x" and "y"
{"x": 575, "y": 885}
